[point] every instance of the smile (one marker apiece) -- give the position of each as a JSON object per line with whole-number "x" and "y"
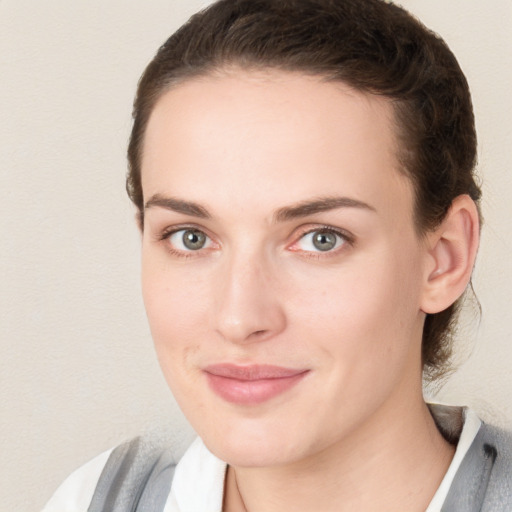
{"x": 251, "y": 385}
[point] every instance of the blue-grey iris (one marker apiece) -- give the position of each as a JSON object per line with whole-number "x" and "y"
{"x": 193, "y": 239}
{"x": 324, "y": 240}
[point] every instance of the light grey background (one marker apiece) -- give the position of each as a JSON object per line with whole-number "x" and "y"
{"x": 77, "y": 370}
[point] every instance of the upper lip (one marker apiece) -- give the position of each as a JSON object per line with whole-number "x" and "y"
{"x": 252, "y": 372}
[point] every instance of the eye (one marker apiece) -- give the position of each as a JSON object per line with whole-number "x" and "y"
{"x": 322, "y": 240}
{"x": 189, "y": 240}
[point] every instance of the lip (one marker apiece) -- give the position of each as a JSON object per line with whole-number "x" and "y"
{"x": 251, "y": 384}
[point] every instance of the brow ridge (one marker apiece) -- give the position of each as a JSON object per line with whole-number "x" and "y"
{"x": 284, "y": 214}
{"x": 177, "y": 205}
{"x": 318, "y": 205}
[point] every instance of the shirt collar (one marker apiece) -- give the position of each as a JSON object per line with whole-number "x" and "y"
{"x": 198, "y": 482}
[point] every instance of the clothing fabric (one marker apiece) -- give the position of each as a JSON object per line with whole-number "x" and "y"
{"x": 134, "y": 475}
{"x": 451, "y": 429}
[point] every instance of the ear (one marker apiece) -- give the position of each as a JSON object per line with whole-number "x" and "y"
{"x": 452, "y": 249}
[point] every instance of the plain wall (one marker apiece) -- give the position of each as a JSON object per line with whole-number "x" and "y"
{"x": 77, "y": 369}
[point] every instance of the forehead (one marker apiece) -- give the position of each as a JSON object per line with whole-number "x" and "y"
{"x": 279, "y": 136}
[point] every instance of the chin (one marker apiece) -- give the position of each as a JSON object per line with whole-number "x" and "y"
{"x": 249, "y": 453}
{"x": 255, "y": 442}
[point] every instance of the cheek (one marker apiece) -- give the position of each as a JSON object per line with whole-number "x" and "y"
{"x": 175, "y": 319}
{"x": 176, "y": 308}
{"x": 361, "y": 312}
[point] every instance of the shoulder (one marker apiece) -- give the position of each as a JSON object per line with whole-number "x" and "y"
{"x": 483, "y": 480}
{"x": 137, "y": 470}
{"x": 496, "y": 446}
{"x": 75, "y": 493}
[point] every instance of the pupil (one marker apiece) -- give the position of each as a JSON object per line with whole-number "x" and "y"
{"x": 324, "y": 241}
{"x": 194, "y": 240}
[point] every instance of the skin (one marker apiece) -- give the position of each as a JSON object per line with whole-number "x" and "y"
{"x": 354, "y": 433}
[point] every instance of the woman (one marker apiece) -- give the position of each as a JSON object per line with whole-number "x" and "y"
{"x": 303, "y": 174}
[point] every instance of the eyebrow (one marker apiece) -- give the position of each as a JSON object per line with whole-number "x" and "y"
{"x": 177, "y": 205}
{"x": 286, "y": 213}
{"x": 321, "y": 204}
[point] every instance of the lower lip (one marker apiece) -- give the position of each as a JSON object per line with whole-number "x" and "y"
{"x": 251, "y": 392}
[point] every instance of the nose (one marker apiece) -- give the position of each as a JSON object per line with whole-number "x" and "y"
{"x": 248, "y": 307}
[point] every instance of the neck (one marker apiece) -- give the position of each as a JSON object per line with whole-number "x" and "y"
{"x": 395, "y": 463}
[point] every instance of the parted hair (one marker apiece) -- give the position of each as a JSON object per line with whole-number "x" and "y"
{"x": 373, "y": 46}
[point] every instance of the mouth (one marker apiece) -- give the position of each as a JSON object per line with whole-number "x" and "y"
{"x": 252, "y": 384}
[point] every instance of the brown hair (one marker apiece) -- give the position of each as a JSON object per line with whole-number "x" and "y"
{"x": 371, "y": 45}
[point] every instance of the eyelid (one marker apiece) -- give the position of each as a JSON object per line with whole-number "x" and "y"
{"x": 164, "y": 236}
{"x": 347, "y": 237}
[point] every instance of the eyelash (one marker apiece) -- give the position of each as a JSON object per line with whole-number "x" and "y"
{"x": 167, "y": 233}
{"x": 346, "y": 239}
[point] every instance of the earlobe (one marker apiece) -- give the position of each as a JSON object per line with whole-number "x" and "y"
{"x": 452, "y": 253}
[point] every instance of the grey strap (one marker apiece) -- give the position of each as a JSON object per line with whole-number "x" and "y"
{"x": 468, "y": 490}
{"x": 138, "y": 475}
{"x": 136, "y": 478}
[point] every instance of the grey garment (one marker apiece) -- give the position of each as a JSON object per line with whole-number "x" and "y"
{"x": 138, "y": 474}
{"x": 483, "y": 482}
{"x": 136, "y": 478}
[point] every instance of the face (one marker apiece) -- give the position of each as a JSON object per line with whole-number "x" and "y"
{"x": 281, "y": 271}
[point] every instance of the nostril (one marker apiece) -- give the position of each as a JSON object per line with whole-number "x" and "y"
{"x": 258, "y": 335}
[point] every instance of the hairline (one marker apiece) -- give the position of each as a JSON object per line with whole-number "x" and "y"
{"x": 231, "y": 67}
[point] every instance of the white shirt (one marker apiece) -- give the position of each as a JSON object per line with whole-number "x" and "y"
{"x": 198, "y": 484}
